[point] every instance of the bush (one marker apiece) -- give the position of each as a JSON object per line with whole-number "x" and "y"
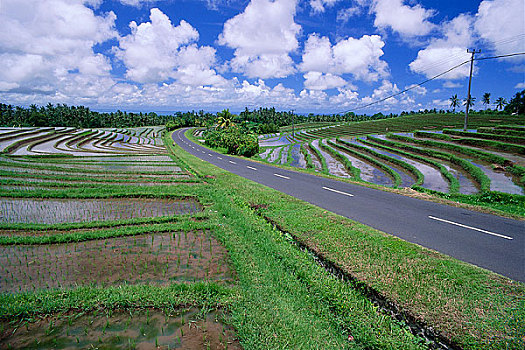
{"x": 234, "y": 139}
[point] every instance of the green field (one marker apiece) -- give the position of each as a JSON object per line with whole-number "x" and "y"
{"x": 241, "y": 270}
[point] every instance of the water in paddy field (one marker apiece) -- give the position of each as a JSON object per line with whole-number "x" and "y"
{"x": 299, "y": 160}
{"x": 315, "y": 160}
{"x": 124, "y": 329}
{"x": 406, "y": 179}
{"x": 274, "y": 155}
{"x": 334, "y": 166}
{"x": 433, "y": 178}
{"x": 280, "y": 140}
{"x": 54, "y": 211}
{"x": 499, "y": 181}
{"x": 284, "y": 155}
{"x": 265, "y": 154}
{"x": 369, "y": 173}
{"x": 159, "y": 259}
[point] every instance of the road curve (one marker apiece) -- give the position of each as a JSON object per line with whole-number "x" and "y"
{"x": 488, "y": 241}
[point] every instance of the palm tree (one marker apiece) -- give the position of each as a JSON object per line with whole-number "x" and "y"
{"x": 486, "y": 99}
{"x": 454, "y": 102}
{"x": 500, "y": 103}
{"x": 470, "y": 102}
{"x": 224, "y": 119}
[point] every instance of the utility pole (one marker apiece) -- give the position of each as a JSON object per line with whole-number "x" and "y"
{"x": 473, "y": 52}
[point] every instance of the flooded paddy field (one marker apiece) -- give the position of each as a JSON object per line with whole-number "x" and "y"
{"x": 299, "y": 160}
{"x": 53, "y": 211}
{"x": 434, "y": 177}
{"x": 119, "y": 329}
{"x": 335, "y": 167}
{"x": 157, "y": 259}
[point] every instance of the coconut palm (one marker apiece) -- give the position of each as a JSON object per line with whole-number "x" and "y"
{"x": 501, "y": 103}
{"x": 454, "y": 102}
{"x": 486, "y": 99}
{"x": 469, "y": 101}
{"x": 224, "y": 119}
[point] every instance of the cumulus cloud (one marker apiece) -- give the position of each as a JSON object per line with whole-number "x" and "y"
{"x": 263, "y": 36}
{"x": 501, "y": 23}
{"x": 156, "y": 51}
{"x": 320, "y": 81}
{"x": 520, "y": 86}
{"x": 448, "y": 51}
{"x": 318, "y": 6}
{"x": 404, "y": 19}
{"x": 359, "y": 57}
{"x": 46, "y": 45}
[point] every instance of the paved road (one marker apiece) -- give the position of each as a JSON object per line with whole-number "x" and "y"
{"x": 489, "y": 241}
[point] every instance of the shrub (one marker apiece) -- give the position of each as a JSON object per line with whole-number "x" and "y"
{"x": 234, "y": 139}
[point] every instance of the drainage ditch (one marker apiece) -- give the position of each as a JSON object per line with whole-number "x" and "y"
{"x": 431, "y": 337}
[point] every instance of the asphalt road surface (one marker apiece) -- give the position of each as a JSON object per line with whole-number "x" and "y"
{"x": 488, "y": 241}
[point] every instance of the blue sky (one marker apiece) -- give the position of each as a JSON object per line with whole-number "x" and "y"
{"x": 320, "y": 56}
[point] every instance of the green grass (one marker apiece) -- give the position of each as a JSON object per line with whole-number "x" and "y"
{"x": 282, "y": 298}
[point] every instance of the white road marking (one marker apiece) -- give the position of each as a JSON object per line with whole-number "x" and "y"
{"x": 470, "y": 227}
{"x": 232, "y": 162}
{"x": 284, "y": 177}
{"x": 219, "y": 158}
{"x": 336, "y": 191}
{"x": 211, "y": 155}
{"x": 250, "y": 167}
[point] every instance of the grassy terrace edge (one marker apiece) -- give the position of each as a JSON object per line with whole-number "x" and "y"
{"x": 472, "y": 307}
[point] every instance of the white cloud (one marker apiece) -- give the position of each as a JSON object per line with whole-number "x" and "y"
{"x": 520, "y": 86}
{"x": 46, "y": 44}
{"x": 451, "y": 85}
{"x": 502, "y": 24}
{"x": 157, "y": 51}
{"x": 318, "y": 6}
{"x": 418, "y": 90}
{"x": 263, "y": 36}
{"x": 359, "y": 57}
{"x": 404, "y": 19}
{"x": 448, "y": 51}
{"x": 344, "y": 15}
{"x": 320, "y": 81}
{"x": 135, "y": 3}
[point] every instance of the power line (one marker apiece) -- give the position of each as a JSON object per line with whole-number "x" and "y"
{"x": 430, "y": 79}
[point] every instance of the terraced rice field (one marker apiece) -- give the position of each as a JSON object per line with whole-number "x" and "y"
{"x": 447, "y": 161}
{"x": 104, "y": 209}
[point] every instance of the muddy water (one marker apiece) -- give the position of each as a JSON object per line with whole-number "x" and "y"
{"x": 274, "y": 155}
{"x": 67, "y": 172}
{"x": 265, "y": 154}
{"x": 315, "y": 160}
{"x": 281, "y": 140}
{"x": 466, "y": 184}
{"x": 284, "y": 155}
{"x": 134, "y": 329}
{"x": 407, "y": 180}
{"x": 54, "y": 211}
{"x": 499, "y": 181}
{"x": 433, "y": 178}
{"x": 299, "y": 160}
{"x": 369, "y": 173}
{"x": 334, "y": 166}
{"x": 157, "y": 259}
